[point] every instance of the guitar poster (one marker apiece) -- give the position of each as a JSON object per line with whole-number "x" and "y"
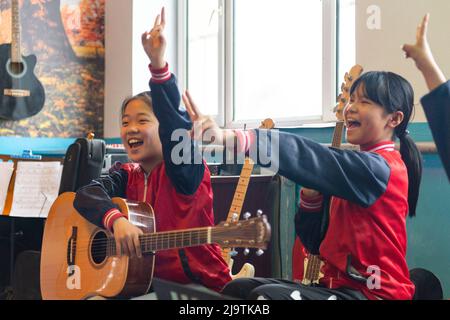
{"x": 68, "y": 39}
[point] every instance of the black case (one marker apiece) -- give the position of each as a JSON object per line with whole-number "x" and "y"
{"x": 82, "y": 164}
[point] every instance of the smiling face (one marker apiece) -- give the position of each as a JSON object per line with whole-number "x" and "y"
{"x": 367, "y": 122}
{"x": 139, "y": 133}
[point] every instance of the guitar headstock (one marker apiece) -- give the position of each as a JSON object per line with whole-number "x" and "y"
{"x": 344, "y": 97}
{"x": 249, "y": 233}
{"x": 267, "y": 124}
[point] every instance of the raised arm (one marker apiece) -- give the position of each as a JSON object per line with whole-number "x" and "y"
{"x": 186, "y": 177}
{"x": 360, "y": 177}
{"x": 436, "y": 104}
{"x": 423, "y": 57}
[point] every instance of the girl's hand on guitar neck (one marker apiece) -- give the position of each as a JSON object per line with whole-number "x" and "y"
{"x": 127, "y": 238}
{"x": 423, "y": 57}
{"x": 154, "y": 42}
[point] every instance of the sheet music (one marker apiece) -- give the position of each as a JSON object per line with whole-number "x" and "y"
{"x": 36, "y": 188}
{"x": 6, "y": 171}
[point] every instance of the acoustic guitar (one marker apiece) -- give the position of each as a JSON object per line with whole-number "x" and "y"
{"x": 21, "y": 93}
{"x": 79, "y": 259}
{"x": 248, "y": 270}
{"x": 312, "y": 264}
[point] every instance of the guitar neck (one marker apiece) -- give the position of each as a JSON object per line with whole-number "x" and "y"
{"x": 241, "y": 190}
{"x": 159, "y": 241}
{"x": 15, "y": 31}
{"x": 338, "y": 134}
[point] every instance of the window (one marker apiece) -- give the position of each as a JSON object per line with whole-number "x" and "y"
{"x": 247, "y": 60}
{"x": 204, "y": 74}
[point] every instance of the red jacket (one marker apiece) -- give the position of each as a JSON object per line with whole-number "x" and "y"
{"x": 375, "y": 237}
{"x": 175, "y": 211}
{"x": 367, "y": 196}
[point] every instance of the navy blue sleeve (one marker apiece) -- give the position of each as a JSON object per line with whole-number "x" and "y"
{"x": 359, "y": 177}
{"x": 436, "y": 105}
{"x": 307, "y": 228}
{"x": 311, "y": 226}
{"x": 186, "y": 176}
{"x": 94, "y": 200}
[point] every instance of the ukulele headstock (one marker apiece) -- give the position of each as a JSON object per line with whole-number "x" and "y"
{"x": 267, "y": 124}
{"x": 344, "y": 97}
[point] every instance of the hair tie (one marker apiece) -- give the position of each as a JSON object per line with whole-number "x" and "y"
{"x": 404, "y": 134}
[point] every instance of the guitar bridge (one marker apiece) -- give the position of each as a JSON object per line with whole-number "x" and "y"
{"x": 72, "y": 249}
{"x": 16, "y": 93}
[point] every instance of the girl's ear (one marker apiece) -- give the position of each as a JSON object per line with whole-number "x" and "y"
{"x": 396, "y": 119}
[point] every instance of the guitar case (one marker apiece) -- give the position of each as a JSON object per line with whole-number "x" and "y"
{"x": 26, "y": 284}
{"x": 82, "y": 164}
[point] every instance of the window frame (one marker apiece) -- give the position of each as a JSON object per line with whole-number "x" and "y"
{"x": 226, "y": 105}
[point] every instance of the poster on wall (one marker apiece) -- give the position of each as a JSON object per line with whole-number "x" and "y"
{"x": 68, "y": 39}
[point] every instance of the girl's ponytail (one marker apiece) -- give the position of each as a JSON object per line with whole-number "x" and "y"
{"x": 413, "y": 161}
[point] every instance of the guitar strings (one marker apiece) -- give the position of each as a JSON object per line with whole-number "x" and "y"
{"x": 165, "y": 236}
{"x": 151, "y": 241}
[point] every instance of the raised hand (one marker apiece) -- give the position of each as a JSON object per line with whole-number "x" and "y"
{"x": 423, "y": 57}
{"x": 420, "y": 52}
{"x": 154, "y": 42}
{"x": 204, "y": 126}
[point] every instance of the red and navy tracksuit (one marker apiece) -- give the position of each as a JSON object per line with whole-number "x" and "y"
{"x": 436, "y": 105}
{"x": 181, "y": 195}
{"x": 365, "y": 194}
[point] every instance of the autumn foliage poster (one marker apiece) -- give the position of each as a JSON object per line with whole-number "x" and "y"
{"x": 68, "y": 39}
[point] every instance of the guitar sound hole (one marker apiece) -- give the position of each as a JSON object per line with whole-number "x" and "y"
{"x": 17, "y": 68}
{"x": 99, "y": 248}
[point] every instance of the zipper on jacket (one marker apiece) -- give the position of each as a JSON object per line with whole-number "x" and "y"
{"x": 145, "y": 186}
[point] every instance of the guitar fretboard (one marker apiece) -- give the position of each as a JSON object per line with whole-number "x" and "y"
{"x": 168, "y": 240}
{"x": 15, "y": 31}
{"x": 241, "y": 189}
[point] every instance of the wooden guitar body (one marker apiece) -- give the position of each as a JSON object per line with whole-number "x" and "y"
{"x": 21, "y": 93}
{"x": 73, "y": 268}
{"x": 79, "y": 259}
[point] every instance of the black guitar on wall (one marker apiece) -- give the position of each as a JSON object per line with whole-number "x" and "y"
{"x": 21, "y": 94}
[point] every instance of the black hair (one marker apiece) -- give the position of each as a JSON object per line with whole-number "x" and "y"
{"x": 145, "y": 97}
{"x": 394, "y": 93}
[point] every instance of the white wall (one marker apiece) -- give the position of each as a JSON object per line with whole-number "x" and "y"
{"x": 118, "y": 61}
{"x": 381, "y": 49}
{"x": 125, "y": 62}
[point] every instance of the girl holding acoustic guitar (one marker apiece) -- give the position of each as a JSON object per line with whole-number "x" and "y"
{"x": 180, "y": 194}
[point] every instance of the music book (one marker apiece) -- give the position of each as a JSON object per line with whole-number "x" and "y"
{"x": 6, "y": 171}
{"x": 36, "y": 188}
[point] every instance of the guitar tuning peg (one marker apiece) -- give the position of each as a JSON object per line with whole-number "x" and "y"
{"x": 260, "y": 252}
{"x": 259, "y": 213}
{"x": 246, "y": 252}
{"x": 233, "y": 253}
{"x": 247, "y": 215}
